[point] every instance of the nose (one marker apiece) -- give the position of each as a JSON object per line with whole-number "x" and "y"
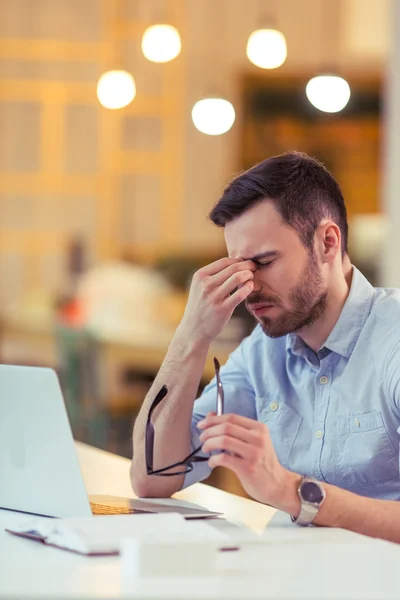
{"x": 257, "y": 282}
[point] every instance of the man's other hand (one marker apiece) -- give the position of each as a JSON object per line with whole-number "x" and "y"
{"x": 248, "y": 451}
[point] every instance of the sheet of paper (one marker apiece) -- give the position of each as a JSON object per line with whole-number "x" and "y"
{"x": 151, "y": 526}
{"x": 104, "y": 533}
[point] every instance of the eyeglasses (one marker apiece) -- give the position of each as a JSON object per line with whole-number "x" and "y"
{"x": 186, "y": 465}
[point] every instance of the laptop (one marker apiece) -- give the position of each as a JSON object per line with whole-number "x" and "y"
{"x": 39, "y": 467}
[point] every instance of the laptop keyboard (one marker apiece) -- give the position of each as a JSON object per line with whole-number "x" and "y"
{"x": 104, "y": 509}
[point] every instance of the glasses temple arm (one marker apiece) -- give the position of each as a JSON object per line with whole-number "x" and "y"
{"x": 149, "y": 435}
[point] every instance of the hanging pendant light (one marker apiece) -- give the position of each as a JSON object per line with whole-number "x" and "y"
{"x": 161, "y": 43}
{"x": 213, "y": 116}
{"x": 266, "y": 48}
{"x": 116, "y": 89}
{"x": 328, "y": 93}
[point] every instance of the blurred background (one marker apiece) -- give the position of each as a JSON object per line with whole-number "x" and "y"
{"x": 106, "y": 179}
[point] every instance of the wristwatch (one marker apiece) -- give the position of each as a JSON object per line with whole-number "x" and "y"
{"x": 312, "y": 495}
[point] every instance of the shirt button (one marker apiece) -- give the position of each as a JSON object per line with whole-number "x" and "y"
{"x": 323, "y": 380}
{"x": 318, "y": 434}
{"x": 273, "y": 406}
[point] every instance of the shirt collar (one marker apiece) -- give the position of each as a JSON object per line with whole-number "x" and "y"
{"x": 347, "y": 329}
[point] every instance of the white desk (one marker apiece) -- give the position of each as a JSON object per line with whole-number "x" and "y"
{"x": 293, "y": 563}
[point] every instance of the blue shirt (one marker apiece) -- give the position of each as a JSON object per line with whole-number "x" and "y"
{"x": 333, "y": 415}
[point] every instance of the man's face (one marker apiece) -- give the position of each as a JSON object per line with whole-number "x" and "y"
{"x": 289, "y": 290}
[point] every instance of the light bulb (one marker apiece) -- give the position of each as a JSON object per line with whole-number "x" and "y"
{"x": 213, "y": 116}
{"x": 266, "y": 48}
{"x": 328, "y": 93}
{"x": 161, "y": 43}
{"x": 116, "y": 89}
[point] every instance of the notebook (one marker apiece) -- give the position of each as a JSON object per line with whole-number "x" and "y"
{"x": 103, "y": 535}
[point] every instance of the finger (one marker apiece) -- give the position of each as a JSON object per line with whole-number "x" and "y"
{"x": 240, "y": 433}
{"x": 234, "y": 463}
{"x": 219, "y": 265}
{"x": 229, "y": 418}
{"x": 229, "y": 444}
{"x": 238, "y": 296}
{"x": 237, "y": 280}
{"x": 243, "y": 265}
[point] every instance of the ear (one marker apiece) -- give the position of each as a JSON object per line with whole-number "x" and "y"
{"x": 328, "y": 241}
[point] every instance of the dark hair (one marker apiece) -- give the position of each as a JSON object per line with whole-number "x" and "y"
{"x": 303, "y": 191}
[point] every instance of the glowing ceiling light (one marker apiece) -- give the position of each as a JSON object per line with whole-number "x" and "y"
{"x": 266, "y": 48}
{"x": 161, "y": 43}
{"x": 328, "y": 93}
{"x": 116, "y": 89}
{"x": 213, "y": 116}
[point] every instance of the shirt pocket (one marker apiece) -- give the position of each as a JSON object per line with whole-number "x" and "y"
{"x": 283, "y": 423}
{"x": 364, "y": 450}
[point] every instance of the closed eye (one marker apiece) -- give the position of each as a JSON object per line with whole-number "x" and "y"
{"x": 261, "y": 265}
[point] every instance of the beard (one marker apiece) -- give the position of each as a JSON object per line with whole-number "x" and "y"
{"x": 307, "y": 301}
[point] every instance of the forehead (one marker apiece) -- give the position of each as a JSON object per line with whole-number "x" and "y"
{"x": 259, "y": 229}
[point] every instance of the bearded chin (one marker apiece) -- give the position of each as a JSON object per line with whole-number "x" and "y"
{"x": 307, "y": 301}
{"x": 273, "y": 329}
{"x": 295, "y": 320}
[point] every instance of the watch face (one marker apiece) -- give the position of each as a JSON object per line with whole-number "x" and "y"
{"x": 311, "y": 492}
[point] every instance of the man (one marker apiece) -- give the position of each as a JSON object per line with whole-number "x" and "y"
{"x": 314, "y": 390}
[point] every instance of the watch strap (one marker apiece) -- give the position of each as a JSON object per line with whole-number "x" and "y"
{"x": 307, "y": 514}
{"x": 308, "y": 510}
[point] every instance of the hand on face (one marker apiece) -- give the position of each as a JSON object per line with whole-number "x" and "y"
{"x": 215, "y": 292}
{"x": 250, "y": 454}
